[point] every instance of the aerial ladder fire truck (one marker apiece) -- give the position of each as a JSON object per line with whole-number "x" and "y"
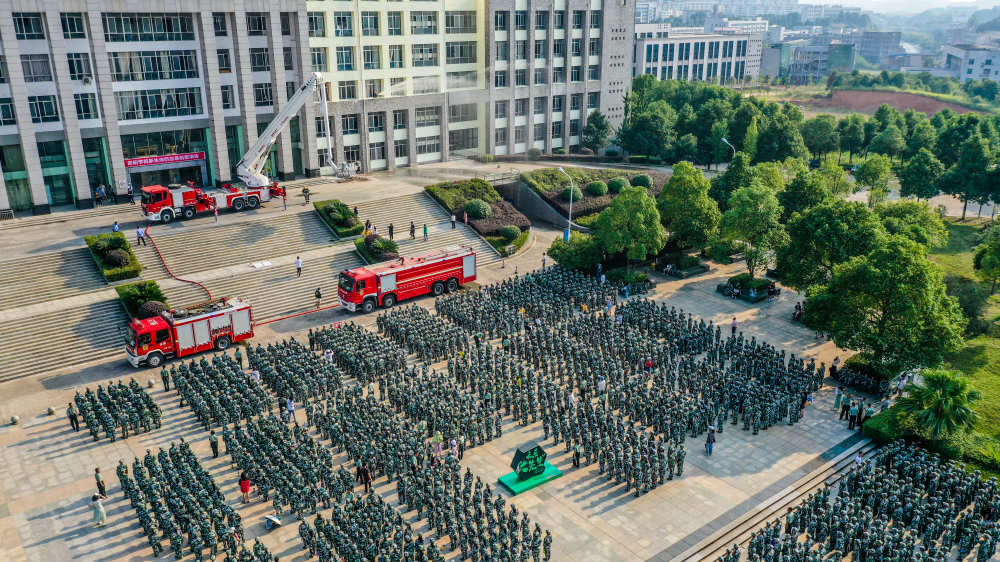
{"x": 167, "y": 203}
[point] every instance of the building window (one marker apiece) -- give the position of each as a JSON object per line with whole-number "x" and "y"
{"x": 376, "y": 122}
{"x": 348, "y": 89}
{"x": 352, "y": 153}
{"x": 595, "y": 19}
{"x": 376, "y": 150}
{"x": 4, "y": 73}
{"x": 36, "y": 68}
{"x": 502, "y": 50}
{"x": 427, "y": 85}
{"x": 228, "y": 98}
{"x": 29, "y": 25}
{"x": 520, "y": 134}
{"x": 594, "y": 46}
{"x": 72, "y": 26}
{"x": 577, "y": 47}
{"x": 317, "y": 24}
{"x": 559, "y": 48}
{"x": 260, "y": 60}
{"x": 520, "y": 108}
{"x": 578, "y": 19}
{"x": 463, "y": 139}
{"x": 429, "y": 145}
{"x": 500, "y": 110}
{"x": 7, "y": 115}
{"x": 425, "y": 55}
{"x": 290, "y": 89}
{"x": 262, "y": 95}
{"x": 167, "y": 102}
{"x": 541, "y": 49}
{"x": 594, "y": 72}
{"x": 154, "y": 65}
{"x": 86, "y": 106}
{"x": 593, "y": 100}
{"x": 289, "y": 58}
{"x": 575, "y": 101}
{"x": 540, "y": 131}
{"x": 344, "y": 24}
{"x": 559, "y": 20}
{"x": 397, "y": 86}
{"x": 541, "y": 21}
{"x": 373, "y": 87}
{"x": 79, "y": 66}
{"x": 395, "y": 56}
{"x": 557, "y": 104}
{"x": 399, "y": 119}
{"x": 539, "y": 106}
{"x": 256, "y": 24}
{"x": 345, "y": 58}
{"x": 501, "y": 21}
{"x": 500, "y": 79}
{"x": 557, "y": 129}
{"x": 399, "y": 148}
{"x": 395, "y": 23}
{"x": 349, "y": 124}
{"x": 574, "y": 127}
{"x": 219, "y": 23}
{"x": 150, "y": 27}
{"x": 574, "y": 74}
{"x": 541, "y": 76}
{"x": 460, "y": 22}
{"x": 559, "y": 75}
{"x": 460, "y": 52}
{"x": 225, "y": 64}
{"x": 369, "y": 23}
{"x": 463, "y": 112}
{"x": 520, "y": 77}
{"x": 428, "y": 116}
{"x": 318, "y": 58}
{"x": 423, "y": 23}
{"x": 286, "y": 24}
{"x": 521, "y": 49}
{"x": 500, "y": 136}
{"x": 520, "y": 20}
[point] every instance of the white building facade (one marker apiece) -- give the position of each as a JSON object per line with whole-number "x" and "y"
{"x": 714, "y": 57}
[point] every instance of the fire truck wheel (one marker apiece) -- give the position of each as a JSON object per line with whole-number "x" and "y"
{"x": 437, "y": 289}
{"x": 238, "y": 204}
{"x": 368, "y": 306}
{"x": 154, "y": 360}
{"x": 222, "y": 343}
{"x": 452, "y": 285}
{"x": 389, "y": 301}
{"x": 252, "y": 203}
{"x": 166, "y": 216}
{"x": 189, "y": 212}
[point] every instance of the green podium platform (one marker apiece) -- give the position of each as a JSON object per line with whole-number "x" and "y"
{"x": 516, "y": 486}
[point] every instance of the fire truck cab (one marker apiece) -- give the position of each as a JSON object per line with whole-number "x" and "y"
{"x": 385, "y": 284}
{"x": 214, "y": 324}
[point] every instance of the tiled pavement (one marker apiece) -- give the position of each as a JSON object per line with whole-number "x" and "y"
{"x": 48, "y": 470}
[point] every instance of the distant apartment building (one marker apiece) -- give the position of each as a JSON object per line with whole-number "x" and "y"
{"x": 809, "y": 63}
{"x": 695, "y": 56}
{"x": 969, "y": 62}
{"x": 822, "y": 11}
{"x": 754, "y": 8}
{"x": 875, "y": 46}
{"x": 755, "y": 25}
{"x": 647, "y": 12}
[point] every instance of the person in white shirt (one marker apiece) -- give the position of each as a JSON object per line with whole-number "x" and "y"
{"x": 290, "y": 406}
{"x": 298, "y": 266}
{"x": 256, "y": 375}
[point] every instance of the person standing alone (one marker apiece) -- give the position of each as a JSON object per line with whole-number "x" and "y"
{"x": 298, "y": 266}
{"x": 391, "y": 229}
{"x": 140, "y": 234}
{"x": 453, "y": 221}
{"x": 213, "y": 440}
{"x": 413, "y": 230}
{"x": 100, "y": 483}
{"x": 425, "y": 233}
{"x": 734, "y": 325}
{"x": 710, "y": 440}
{"x": 74, "y": 421}
{"x": 319, "y": 297}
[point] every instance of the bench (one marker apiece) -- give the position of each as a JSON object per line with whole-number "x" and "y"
{"x": 691, "y": 272}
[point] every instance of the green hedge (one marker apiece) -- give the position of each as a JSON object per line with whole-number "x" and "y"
{"x": 861, "y": 363}
{"x": 501, "y": 243}
{"x": 745, "y": 283}
{"x": 625, "y": 275}
{"x": 323, "y": 210}
{"x": 883, "y": 428}
{"x": 97, "y": 249}
{"x": 586, "y": 220}
{"x": 453, "y": 195}
{"x": 134, "y": 295}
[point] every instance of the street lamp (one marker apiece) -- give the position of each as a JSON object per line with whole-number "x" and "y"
{"x": 569, "y": 221}
{"x": 730, "y": 146}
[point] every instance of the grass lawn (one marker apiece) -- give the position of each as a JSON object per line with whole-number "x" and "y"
{"x": 980, "y": 358}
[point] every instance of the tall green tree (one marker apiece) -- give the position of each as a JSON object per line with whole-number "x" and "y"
{"x": 941, "y": 403}
{"x": 753, "y": 224}
{"x": 596, "y": 134}
{"x": 804, "y": 192}
{"x": 631, "y": 224}
{"x": 687, "y": 147}
{"x": 650, "y": 132}
{"x": 583, "y": 251}
{"x": 890, "y": 304}
{"x": 689, "y": 215}
{"x": 835, "y": 179}
{"x": 717, "y": 142}
{"x": 750, "y": 140}
{"x": 826, "y": 236}
{"x": 738, "y": 174}
{"x": 852, "y": 134}
{"x": 873, "y": 174}
{"x": 923, "y": 136}
{"x": 918, "y": 177}
{"x": 986, "y": 261}
{"x": 968, "y": 178}
{"x": 781, "y": 138}
{"x": 889, "y": 142}
{"x": 820, "y": 135}
{"x": 915, "y": 220}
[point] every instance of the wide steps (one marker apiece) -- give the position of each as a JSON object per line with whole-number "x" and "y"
{"x": 121, "y": 209}
{"x": 418, "y": 208}
{"x": 220, "y": 246}
{"x": 437, "y": 240}
{"x": 46, "y": 277}
{"x": 54, "y": 340}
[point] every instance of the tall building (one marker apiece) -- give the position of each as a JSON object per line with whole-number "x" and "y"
{"x": 969, "y": 62}
{"x": 712, "y": 57}
{"x": 724, "y": 25}
{"x": 875, "y": 46}
{"x": 812, "y": 62}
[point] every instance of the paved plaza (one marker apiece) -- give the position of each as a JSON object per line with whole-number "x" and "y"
{"x": 49, "y": 469}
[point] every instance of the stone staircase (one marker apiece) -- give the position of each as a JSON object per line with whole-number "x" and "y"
{"x": 214, "y": 246}
{"x": 47, "y": 277}
{"x": 53, "y": 340}
{"x": 119, "y": 212}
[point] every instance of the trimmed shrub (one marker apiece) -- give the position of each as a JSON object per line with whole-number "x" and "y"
{"x": 560, "y": 151}
{"x": 150, "y": 309}
{"x": 134, "y": 295}
{"x": 501, "y": 215}
{"x": 371, "y": 239}
{"x": 510, "y": 232}
{"x": 116, "y": 258}
{"x": 611, "y": 153}
{"x": 534, "y": 152}
{"x": 339, "y": 217}
{"x": 477, "y": 208}
{"x": 576, "y": 194}
{"x": 623, "y": 275}
{"x": 615, "y": 185}
{"x": 586, "y": 152}
{"x": 862, "y": 363}
{"x": 883, "y": 428}
{"x": 597, "y": 188}
{"x": 384, "y": 245}
{"x": 643, "y": 180}
{"x": 116, "y": 242}
{"x": 638, "y": 159}
{"x": 388, "y": 256}
{"x": 107, "y": 245}
{"x": 655, "y": 160}
{"x": 745, "y": 283}
{"x": 483, "y": 158}
{"x": 687, "y": 262}
{"x": 586, "y": 220}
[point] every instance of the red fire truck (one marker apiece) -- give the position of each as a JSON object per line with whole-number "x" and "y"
{"x": 390, "y": 282}
{"x": 176, "y": 200}
{"x": 214, "y": 324}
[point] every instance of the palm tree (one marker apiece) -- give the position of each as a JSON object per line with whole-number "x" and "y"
{"x": 941, "y": 403}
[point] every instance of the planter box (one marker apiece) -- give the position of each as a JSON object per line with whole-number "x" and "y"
{"x": 746, "y": 296}
{"x": 697, "y": 270}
